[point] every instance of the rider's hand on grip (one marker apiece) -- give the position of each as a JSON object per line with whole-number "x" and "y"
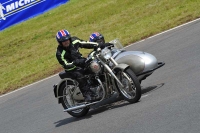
{"x": 88, "y": 60}
{"x": 109, "y": 45}
{"x": 103, "y": 45}
{"x": 79, "y": 62}
{"x": 96, "y": 47}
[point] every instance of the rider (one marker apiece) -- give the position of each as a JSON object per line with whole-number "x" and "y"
{"x": 97, "y": 37}
{"x": 71, "y": 59}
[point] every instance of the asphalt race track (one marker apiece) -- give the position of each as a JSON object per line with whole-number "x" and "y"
{"x": 169, "y": 103}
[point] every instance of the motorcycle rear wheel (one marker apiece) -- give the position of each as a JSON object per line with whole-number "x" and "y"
{"x": 67, "y": 103}
{"x": 131, "y": 91}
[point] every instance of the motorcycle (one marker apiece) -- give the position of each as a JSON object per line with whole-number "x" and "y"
{"x": 109, "y": 71}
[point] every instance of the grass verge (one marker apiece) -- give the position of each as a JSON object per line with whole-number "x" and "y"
{"x": 27, "y": 50}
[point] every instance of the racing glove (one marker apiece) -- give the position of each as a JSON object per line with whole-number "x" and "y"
{"x": 102, "y": 46}
{"x": 79, "y": 62}
{"x": 109, "y": 45}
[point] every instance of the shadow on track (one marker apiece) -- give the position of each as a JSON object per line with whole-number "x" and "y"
{"x": 111, "y": 103}
{"x": 149, "y": 89}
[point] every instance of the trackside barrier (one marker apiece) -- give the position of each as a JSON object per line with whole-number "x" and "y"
{"x": 16, "y": 11}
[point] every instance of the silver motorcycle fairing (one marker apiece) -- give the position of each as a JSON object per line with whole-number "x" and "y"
{"x": 140, "y": 62}
{"x": 121, "y": 66}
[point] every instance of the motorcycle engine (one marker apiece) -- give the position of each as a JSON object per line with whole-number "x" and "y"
{"x": 95, "y": 67}
{"x": 98, "y": 91}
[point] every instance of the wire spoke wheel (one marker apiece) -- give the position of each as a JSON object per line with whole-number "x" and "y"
{"x": 131, "y": 91}
{"x": 68, "y": 101}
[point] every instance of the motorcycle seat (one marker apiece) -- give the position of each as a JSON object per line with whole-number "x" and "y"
{"x": 64, "y": 74}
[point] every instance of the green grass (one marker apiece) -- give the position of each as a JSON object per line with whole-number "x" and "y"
{"x": 27, "y": 50}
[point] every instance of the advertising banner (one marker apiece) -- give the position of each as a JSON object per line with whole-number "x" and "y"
{"x": 15, "y": 11}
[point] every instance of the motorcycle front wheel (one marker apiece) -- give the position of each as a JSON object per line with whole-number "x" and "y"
{"x": 131, "y": 91}
{"x": 67, "y": 101}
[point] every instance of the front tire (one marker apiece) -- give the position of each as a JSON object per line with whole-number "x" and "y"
{"x": 67, "y": 101}
{"x": 131, "y": 91}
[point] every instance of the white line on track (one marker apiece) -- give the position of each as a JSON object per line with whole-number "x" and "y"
{"x": 165, "y": 31}
{"x": 126, "y": 46}
{"x": 143, "y": 96}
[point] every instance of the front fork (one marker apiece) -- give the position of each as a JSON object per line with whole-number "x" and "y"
{"x": 115, "y": 63}
{"x": 110, "y": 70}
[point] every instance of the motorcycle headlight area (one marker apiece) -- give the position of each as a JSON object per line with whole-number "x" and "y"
{"x": 106, "y": 53}
{"x": 95, "y": 67}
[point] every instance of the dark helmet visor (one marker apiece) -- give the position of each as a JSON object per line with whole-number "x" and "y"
{"x": 64, "y": 38}
{"x": 99, "y": 39}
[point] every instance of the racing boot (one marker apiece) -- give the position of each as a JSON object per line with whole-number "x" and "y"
{"x": 85, "y": 89}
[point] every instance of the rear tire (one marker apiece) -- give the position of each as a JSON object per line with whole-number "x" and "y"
{"x": 67, "y": 102}
{"x": 132, "y": 90}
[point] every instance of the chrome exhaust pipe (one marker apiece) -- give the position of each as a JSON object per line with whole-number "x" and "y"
{"x": 79, "y": 107}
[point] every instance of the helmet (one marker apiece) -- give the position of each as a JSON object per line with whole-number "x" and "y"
{"x": 62, "y": 35}
{"x": 97, "y": 37}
